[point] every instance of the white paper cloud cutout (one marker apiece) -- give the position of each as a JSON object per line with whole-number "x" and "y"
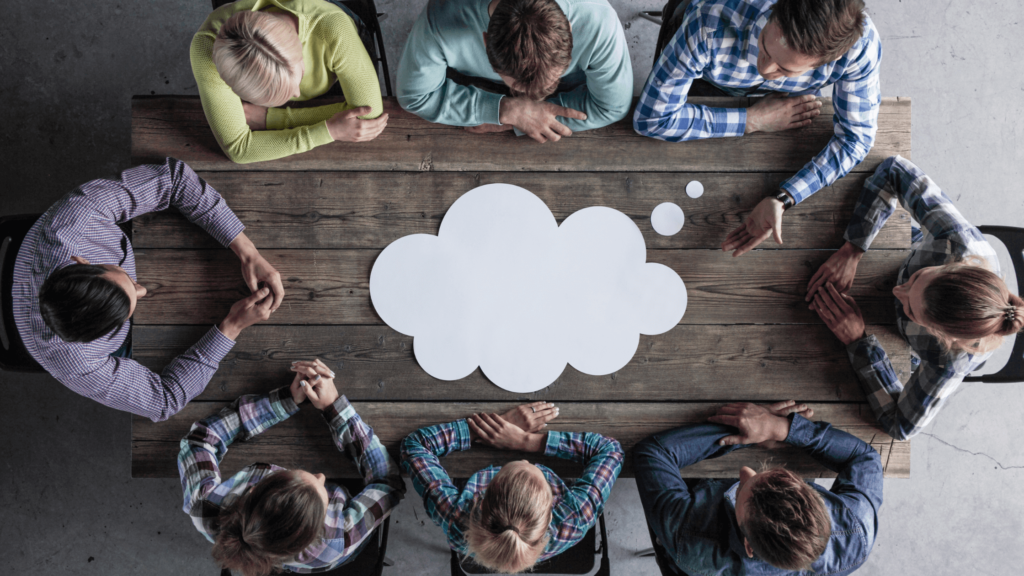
{"x": 504, "y": 287}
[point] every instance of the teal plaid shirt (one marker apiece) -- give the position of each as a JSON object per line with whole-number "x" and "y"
{"x": 576, "y": 505}
{"x": 903, "y": 410}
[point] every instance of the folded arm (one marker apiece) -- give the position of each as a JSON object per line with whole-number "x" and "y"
{"x": 421, "y": 459}
{"x": 603, "y": 458}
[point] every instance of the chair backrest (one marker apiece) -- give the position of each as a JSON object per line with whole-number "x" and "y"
{"x": 1013, "y": 239}
{"x": 13, "y": 355}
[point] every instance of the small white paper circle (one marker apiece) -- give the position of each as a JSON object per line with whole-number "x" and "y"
{"x": 667, "y": 218}
{"x": 694, "y": 189}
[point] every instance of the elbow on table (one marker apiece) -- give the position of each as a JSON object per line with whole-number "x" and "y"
{"x": 419, "y": 105}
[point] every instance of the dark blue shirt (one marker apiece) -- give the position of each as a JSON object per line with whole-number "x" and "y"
{"x": 696, "y": 522}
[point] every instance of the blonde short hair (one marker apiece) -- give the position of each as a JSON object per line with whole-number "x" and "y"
{"x": 507, "y": 528}
{"x": 252, "y": 54}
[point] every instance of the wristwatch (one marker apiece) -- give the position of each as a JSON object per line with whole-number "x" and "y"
{"x": 785, "y": 198}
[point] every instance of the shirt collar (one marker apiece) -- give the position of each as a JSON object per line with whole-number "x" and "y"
{"x": 735, "y": 537}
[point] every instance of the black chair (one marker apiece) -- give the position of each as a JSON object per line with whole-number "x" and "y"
{"x": 667, "y": 25}
{"x": 666, "y": 565}
{"x": 369, "y": 33}
{"x": 1013, "y": 239}
{"x": 13, "y": 355}
{"x": 576, "y": 560}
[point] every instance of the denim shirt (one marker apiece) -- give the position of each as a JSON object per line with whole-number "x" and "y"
{"x": 695, "y": 521}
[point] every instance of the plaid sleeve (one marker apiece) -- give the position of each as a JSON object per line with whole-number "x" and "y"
{"x": 662, "y": 111}
{"x": 421, "y": 453}
{"x": 603, "y": 457}
{"x": 351, "y": 520}
{"x": 207, "y": 442}
{"x": 902, "y": 411}
{"x": 856, "y": 100}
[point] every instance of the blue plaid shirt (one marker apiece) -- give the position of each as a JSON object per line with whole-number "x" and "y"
{"x": 718, "y": 42}
{"x": 903, "y": 411}
{"x": 575, "y": 505}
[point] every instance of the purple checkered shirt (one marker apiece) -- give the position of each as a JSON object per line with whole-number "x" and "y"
{"x": 85, "y": 223}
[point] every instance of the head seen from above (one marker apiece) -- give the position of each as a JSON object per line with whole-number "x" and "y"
{"x": 783, "y": 519}
{"x": 507, "y": 529}
{"x": 268, "y": 525}
{"x": 83, "y": 302}
{"x": 529, "y": 44}
{"x": 259, "y": 55}
{"x": 803, "y": 34}
{"x": 965, "y": 306}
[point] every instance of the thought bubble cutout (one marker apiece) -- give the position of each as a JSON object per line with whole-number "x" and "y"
{"x": 503, "y": 287}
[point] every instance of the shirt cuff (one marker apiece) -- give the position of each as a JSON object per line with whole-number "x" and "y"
{"x": 801, "y": 431}
{"x": 227, "y": 227}
{"x": 339, "y": 412}
{"x": 463, "y": 439}
{"x": 276, "y": 119}
{"x": 216, "y": 344}
{"x": 729, "y": 121}
{"x": 282, "y": 403}
{"x": 554, "y": 442}
{"x": 490, "y": 107}
{"x": 865, "y": 343}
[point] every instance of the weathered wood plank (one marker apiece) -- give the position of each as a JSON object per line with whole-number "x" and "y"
{"x": 303, "y": 440}
{"x": 372, "y": 209}
{"x": 689, "y": 363}
{"x": 332, "y": 286}
{"x": 175, "y": 126}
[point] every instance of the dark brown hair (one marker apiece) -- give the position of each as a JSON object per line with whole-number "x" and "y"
{"x": 787, "y": 523}
{"x": 971, "y": 304}
{"x": 823, "y": 29}
{"x": 530, "y": 40}
{"x": 80, "y": 304}
{"x": 272, "y": 522}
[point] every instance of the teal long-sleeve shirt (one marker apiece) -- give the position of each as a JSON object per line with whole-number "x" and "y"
{"x": 449, "y": 34}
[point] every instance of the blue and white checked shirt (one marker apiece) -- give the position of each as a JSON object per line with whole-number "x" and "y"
{"x": 718, "y": 42}
{"x": 85, "y": 223}
{"x": 903, "y": 411}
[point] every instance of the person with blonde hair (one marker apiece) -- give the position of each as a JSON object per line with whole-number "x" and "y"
{"x": 251, "y": 57}
{"x": 264, "y": 518}
{"x": 952, "y": 305}
{"x": 508, "y": 518}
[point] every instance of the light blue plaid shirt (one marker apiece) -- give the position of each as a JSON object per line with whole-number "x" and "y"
{"x": 718, "y": 42}
{"x": 903, "y": 410}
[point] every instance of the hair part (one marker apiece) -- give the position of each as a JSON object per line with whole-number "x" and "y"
{"x": 507, "y": 528}
{"x": 252, "y": 55}
{"x": 787, "y": 523}
{"x": 823, "y": 29}
{"x": 275, "y": 520}
{"x": 531, "y": 41}
{"x": 80, "y": 304}
{"x": 970, "y": 308}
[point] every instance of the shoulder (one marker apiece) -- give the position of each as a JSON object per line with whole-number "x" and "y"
{"x": 853, "y": 533}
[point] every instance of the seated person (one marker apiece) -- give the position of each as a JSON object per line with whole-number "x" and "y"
{"x": 252, "y": 56}
{"x": 265, "y": 518}
{"x": 952, "y": 306}
{"x": 75, "y": 289}
{"x": 544, "y": 67}
{"x": 788, "y": 50}
{"x": 768, "y": 522}
{"x": 508, "y": 518}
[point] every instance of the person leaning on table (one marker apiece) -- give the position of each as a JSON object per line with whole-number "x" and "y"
{"x": 508, "y": 518}
{"x": 768, "y": 522}
{"x": 788, "y": 50}
{"x": 952, "y": 305}
{"x": 75, "y": 289}
{"x": 251, "y": 57}
{"x": 266, "y": 518}
{"x": 544, "y": 67}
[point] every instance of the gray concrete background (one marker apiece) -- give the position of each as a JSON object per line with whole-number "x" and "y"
{"x": 67, "y": 502}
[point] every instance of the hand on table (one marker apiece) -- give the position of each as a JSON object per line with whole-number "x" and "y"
{"x": 764, "y": 221}
{"x": 346, "y": 126}
{"x": 763, "y": 424}
{"x": 531, "y": 417}
{"x": 840, "y": 313}
{"x": 538, "y": 120}
{"x": 495, "y": 431}
{"x": 775, "y": 113}
{"x": 255, "y": 116}
{"x": 246, "y": 312}
{"x": 256, "y": 269}
{"x": 840, "y": 269}
{"x": 313, "y": 380}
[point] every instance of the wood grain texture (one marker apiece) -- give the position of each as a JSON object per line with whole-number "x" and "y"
{"x": 373, "y": 209}
{"x": 303, "y": 440}
{"x": 688, "y": 363}
{"x": 332, "y": 286}
{"x": 176, "y": 126}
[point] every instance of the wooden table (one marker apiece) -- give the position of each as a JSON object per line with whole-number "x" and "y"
{"x": 323, "y": 217}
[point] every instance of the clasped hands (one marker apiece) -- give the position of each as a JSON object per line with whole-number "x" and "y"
{"x": 263, "y": 300}
{"x": 313, "y": 381}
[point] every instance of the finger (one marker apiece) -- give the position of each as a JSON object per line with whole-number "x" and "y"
{"x": 852, "y": 304}
{"x": 800, "y": 124}
{"x": 325, "y": 367}
{"x": 740, "y": 239}
{"x": 794, "y": 408}
{"x": 485, "y": 425}
{"x": 250, "y": 281}
{"x": 833, "y": 306}
{"x": 551, "y": 135}
{"x": 749, "y": 245}
{"x": 310, "y": 392}
{"x": 569, "y": 113}
{"x": 733, "y": 421}
{"x": 476, "y": 429}
{"x": 823, "y": 310}
{"x": 838, "y": 299}
{"x": 257, "y": 296}
{"x": 777, "y": 232}
{"x": 732, "y": 440}
{"x": 801, "y": 100}
{"x": 804, "y": 116}
{"x": 781, "y": 405}
{"x": 539, "y": 137}
{"x": 816, "y": 280}
{"x": 729, "y": 409}
{"x": 813, "y": 106}
{"x": 546, "y": 414}
{"x": 561, "y": 129}
{"x": 809, "y": 413}
{"x": 277, "y": 287}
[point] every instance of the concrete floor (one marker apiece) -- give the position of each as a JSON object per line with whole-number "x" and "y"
{"x": 67, "y": 502}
